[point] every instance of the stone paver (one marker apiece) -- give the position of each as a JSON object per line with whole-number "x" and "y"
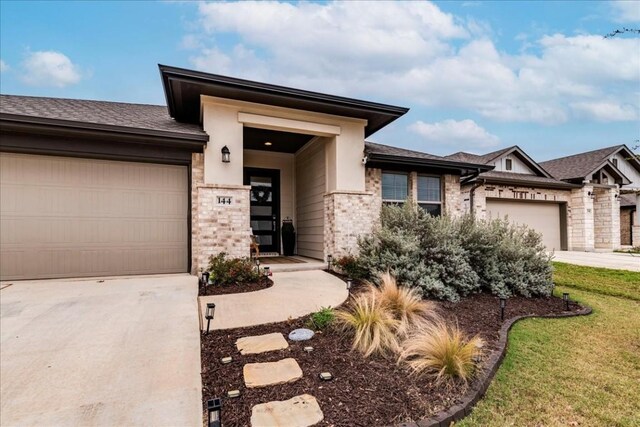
{"x": 271, "y": 373}
{"x": 300, "y": 411}
{"x": 261, "y": 343}
{"x": 615, "y": 260}
{"x": 293, "y": 295}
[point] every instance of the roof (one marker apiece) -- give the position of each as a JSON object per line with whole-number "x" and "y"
{"x": 499, "y": 177}
{"x": 114, "y": 115}
{"x": 627, "y": 200}
{"x": 581, "y": 166}
{"x": 183, "y": 90}
{"x": 479, "y": 158}
{"x": 386, "y": 156}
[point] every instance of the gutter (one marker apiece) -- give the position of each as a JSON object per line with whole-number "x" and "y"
{"x": 421, "y": 162}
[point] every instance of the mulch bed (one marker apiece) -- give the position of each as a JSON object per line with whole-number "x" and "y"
{"x": 235, "y": 288}
{"x": 364, "y": 392}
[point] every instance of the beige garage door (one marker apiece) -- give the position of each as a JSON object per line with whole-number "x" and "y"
{"x": 68, "y": 217}
{"x": 542, "y": 217}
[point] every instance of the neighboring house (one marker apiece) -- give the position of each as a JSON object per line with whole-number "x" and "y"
{"x": 612, "y": 170}
{"x": 91, "y": 188}
{"x": 519, "y": 189}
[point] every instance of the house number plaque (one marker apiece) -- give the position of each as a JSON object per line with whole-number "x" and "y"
{"x": 224, "y": 200}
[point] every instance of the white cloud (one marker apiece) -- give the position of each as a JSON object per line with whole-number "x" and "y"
{"x": 413, "y": 53}
{"x": 606, "y": 111}
{"x": 3, "y": 66}
{"x": 453, "y": 133}
{"x": 626, "y": 11}
{"x": 50, "y": 68}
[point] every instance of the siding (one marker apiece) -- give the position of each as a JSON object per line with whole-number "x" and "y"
{"x": 310, "y": 189}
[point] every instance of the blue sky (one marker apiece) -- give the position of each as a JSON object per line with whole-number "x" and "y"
{"x": 477, "y": 75}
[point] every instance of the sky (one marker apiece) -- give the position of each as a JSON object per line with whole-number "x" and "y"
{"x": 477, "y": 76}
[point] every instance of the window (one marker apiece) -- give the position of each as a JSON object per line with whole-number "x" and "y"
{"x": 615, "y": 162}
{"x": 508, "y": 164}
{"x": 395, "y": 187}
{"x": 430, "y": 194}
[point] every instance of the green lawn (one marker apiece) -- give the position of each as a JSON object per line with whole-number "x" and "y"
{"x": 582, "y": 371}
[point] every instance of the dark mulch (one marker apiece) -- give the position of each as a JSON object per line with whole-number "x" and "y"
{"x": 364, "y": 392}
{"x": 236, "y": 288}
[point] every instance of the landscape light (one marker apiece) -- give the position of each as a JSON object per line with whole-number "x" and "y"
{"x": 205, "y": 278}
{"x": 232, "y": 394}
{"x": 267, "y": 271}
{"x": 308, "y": 349}
{"x": 214, "y": 409}
{"x": 325, "y": 376}
{"x": 565, "y": 298}
{"x": 226, "y": 360}
{"x": 329, "y": 260}
{"x": 503, "y": 305}
{"x": 211, "y": 309}
{"x": 349, "y": 283}
{"x": 258, "y": 264}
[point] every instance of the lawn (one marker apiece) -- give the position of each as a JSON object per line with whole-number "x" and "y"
{"x": 581, "y": 371}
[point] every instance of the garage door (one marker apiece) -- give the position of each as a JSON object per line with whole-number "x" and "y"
{"x": 542, "y": 217}
{"x": 69, "y": 217}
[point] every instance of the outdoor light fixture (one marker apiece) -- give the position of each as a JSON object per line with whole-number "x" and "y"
{"x": 226, "y": 360}
{"x": 308, "y": 349}
{"x": 267, "y": 271}
{"x": 258, "y": 264}
{"x": 325, "y": 376}
{"x": 349, "y": 283}
{"x": 211, "y": 309}
{"x": 565, "y": 298}
{"x": 214, "y": 409}
{"x": 268, "y": 143}
{"x": 205, "y": 278}
{"x": 329, "y": 261}
{"x": 592, "y": 195}
{"x": 226, "y": 154}
{"x": 232, "y": 394}
{"x": 503, "y": 305}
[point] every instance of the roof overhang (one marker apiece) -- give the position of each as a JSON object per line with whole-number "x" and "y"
{"x": 389, "y": 161}
{"x": 612, "y": 170}
{"x": 183, "y": 89}
{"x": 524, "y": 182}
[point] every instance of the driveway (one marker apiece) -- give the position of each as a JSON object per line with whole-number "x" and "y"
{"x": 619, "y": 261}
{"x": 125, "y": 351}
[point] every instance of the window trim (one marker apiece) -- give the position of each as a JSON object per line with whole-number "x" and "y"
{"x": 508, "y": 164}
{"x": 395, "y": 201}
{"x": 430, "y": 202}
{"x": 615, "y": 162}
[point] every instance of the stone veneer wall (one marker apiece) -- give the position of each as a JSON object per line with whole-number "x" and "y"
{"x": 606, "y": 212}
{"x": 582, "y": 211}
{"x": 347, "y": 216}
{"x": 635, "y": 233}
{"x": 452, "y": 200}
{"x": 217, "y": 227}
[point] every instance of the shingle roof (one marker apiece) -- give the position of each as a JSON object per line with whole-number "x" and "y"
{"x": 137, "y": 116}
{"x": 578, "y": 166}
{"x": 462, "y": 156}
{"x": 627, "y": 200}
{"x": 372, "y": 147}
{"x": 520, "y": 178}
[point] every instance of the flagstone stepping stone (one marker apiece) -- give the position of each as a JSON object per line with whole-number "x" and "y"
{"x": 271, "y": 373}
{"x": 261, "y": 343}
{"x": 301, "y": 334}
{"x": 300, "y": 411}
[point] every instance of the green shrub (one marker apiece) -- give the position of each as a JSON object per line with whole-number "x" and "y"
{"x": 449, "y": 258}
{"x": 224, "y": 271}
{"x": 349, "y": 266}
{"x": 321, "y": 319}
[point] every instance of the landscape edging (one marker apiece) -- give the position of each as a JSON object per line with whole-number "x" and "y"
{"x": 476, "y": 392}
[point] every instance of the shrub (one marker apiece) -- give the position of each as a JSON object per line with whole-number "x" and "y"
{"x": 350, "y": 266}
{"x": 371, "y": 324}
{"x": 224, "y": 271}
{"x": 321, "y": 319}
{"x": 443, "y": 352}
{"x": 405, "y": 304}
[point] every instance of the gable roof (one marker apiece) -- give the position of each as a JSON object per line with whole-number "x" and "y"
{"x": 80, "y": 113}
{"x": 479, "y": 158}
{"x": 581, "y": 166}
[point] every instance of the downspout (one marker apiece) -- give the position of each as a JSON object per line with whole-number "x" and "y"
{"x": 473, "y": 190}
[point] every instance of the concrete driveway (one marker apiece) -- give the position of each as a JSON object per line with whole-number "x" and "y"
{"x": 125, "y": 351}
{"x": 616, "y": 260}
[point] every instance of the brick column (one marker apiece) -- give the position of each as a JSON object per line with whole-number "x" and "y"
{"x": 478, "y": 202}
{"x": 452, "y": 200}
{"x": 606, "y": 216}
{"x": 582, "y": 232}
{"x": 347, "y": 216}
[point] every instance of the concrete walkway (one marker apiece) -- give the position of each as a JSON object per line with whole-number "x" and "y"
{"x": 123, "y": 352}
{"x": 615, "y": 260}
{"x": 293, "y": 294}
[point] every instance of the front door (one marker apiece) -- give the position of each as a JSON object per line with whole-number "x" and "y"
{"x": 265, "y": 207}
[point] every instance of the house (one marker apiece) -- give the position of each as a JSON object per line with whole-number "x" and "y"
{"x": 92, "y": 188}
{"x": 608, "y": 170}
{"x": 520, "y": 189}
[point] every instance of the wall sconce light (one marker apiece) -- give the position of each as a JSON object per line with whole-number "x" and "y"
{"x": 365, "y": 159}
{"x": 329, "y": 261}
{"x": 617, "y": 195}
{"x": 503, "y": 305}
{"x": 211, "y": 309}
{"x": 214, "y": 409}
{"x": 592, "y": 195}
{"x": 565, "y": 298}
{"x": 226, "y": 154}
{"x": 349, "y": 283}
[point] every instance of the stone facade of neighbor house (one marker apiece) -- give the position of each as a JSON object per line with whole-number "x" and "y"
{"x": 582, "y": 234}
{"x": 606, "y": 214}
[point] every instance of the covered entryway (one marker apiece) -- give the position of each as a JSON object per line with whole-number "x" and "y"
{"x": 74, "y": 217}
{"x": 546, "y": 218}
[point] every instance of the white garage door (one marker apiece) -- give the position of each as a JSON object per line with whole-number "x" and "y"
{"x": 69, "y": 217}
{"x": 542, "y": 217}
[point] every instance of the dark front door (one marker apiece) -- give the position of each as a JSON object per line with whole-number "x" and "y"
{"x": 265, "y": 207}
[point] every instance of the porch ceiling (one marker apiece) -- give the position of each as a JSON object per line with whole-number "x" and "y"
{"x": 282, "y": 142}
